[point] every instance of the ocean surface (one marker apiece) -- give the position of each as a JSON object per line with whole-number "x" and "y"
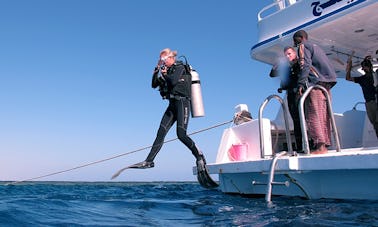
{"x": 167, "y": 204}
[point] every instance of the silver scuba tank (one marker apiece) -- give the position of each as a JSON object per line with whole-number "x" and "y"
{"x": 196, "y": 97}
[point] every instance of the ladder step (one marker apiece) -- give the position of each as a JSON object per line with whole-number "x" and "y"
{"x": 258, "y": 183}
{"x": 285, "y": 183}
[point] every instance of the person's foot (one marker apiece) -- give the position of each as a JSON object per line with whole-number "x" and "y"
{"x": 321, "y": 149}
{"x": 143, "y": 165}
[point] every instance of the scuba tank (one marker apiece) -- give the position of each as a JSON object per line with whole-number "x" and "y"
{"x": 196, "y": 102}
{"x": 197, "y": 108}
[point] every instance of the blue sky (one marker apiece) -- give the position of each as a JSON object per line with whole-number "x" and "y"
{"x": 75, "y": 79}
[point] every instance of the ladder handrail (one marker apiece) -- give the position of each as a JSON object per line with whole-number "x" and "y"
{"x": 268, "y": 194}
{"x": 358, "y": 103}
{"x": 287, "y": 130}
{"x": 302, "y": 119}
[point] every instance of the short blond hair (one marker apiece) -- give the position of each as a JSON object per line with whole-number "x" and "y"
{"x": 168, "y": 51}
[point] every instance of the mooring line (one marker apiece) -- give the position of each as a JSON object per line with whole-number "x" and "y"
{"x": 114, "y": 157}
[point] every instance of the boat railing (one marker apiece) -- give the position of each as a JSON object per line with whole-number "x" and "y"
{"x": 261, "y": 129}
{"x": 358, "y": 103}
{"x": 303, "y": 122}
{"x": 275, "y": 7}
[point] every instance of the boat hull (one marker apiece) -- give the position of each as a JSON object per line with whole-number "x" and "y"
{"x": 341, "y": 175}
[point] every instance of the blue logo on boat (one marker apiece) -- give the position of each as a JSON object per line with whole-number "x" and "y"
{"x": 318, "y": 8}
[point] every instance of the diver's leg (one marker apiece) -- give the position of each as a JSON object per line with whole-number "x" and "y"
{"x": 294, "y": 113}
{"x": 165, "y": 124}
{"x": 183, "y": 111}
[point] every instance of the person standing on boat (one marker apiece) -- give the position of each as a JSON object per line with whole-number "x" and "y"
{"x": 288, "y": 72}
{"x": 315, "y": 69}
{"x": 366, "y": 82}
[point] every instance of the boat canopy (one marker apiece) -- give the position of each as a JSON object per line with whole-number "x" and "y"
{"x": 339, "y": 27}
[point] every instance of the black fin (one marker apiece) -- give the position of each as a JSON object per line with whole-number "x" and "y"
{"x": 203, "y": 175}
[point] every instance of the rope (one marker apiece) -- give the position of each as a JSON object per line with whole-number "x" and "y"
{"x": 114, "y": 157}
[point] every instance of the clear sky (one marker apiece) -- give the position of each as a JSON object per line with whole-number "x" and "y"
{"x": 75, "y": 83}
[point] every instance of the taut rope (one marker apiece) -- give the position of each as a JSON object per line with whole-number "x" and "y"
{"x": 114, "y": 157}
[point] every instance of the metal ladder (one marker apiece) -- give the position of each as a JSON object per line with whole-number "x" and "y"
{"x": 271, "y": 181}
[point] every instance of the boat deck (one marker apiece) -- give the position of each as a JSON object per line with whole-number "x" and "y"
{"x": 352, "y": 158}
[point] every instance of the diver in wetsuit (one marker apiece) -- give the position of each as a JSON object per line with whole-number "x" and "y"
{"x": 174, "y": 81}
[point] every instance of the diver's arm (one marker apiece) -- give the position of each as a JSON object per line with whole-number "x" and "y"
{"x": 155, "y": 82}
{"x": 348, "y": 69}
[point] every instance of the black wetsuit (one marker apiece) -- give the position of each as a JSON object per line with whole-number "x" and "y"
{"x": 289, "y": 81}
{"x": 293, "y": 104}
{"x": 366, "y": 82}
{"x": 178, "y": 109}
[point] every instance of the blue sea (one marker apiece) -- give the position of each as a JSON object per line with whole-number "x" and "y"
{"x": 167, "y": 204}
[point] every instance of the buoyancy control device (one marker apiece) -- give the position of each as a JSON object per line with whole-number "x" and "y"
{"x": 196, "y": 101}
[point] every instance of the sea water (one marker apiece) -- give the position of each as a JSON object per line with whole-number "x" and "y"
{"x": 168, "y": 204}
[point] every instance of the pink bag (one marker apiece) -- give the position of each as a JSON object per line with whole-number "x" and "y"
{"x": 238, "y": 152}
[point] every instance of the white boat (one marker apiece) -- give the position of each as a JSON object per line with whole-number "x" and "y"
{"x": 265, "y": 164}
